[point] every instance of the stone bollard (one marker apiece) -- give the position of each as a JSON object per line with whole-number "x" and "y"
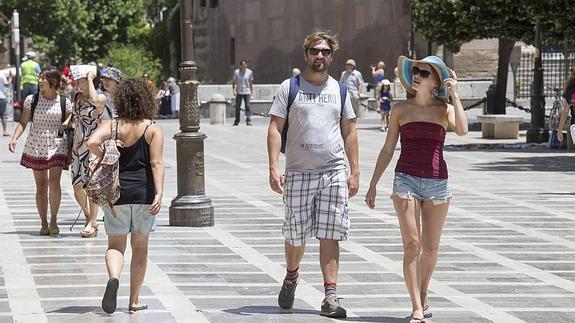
{"x": 217, "y": 106}
{"x": 363, "y": 102}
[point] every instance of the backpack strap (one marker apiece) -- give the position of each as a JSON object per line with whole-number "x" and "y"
{"x": 293, "y": 90}
{"x": 63, "y": 107}
{"x": 114, "y": 128}
{"x": 343, "y": 96}
{"x": 35, "y": 99}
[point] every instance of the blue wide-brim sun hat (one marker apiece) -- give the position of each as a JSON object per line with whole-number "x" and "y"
{"x": 405, "y": 71}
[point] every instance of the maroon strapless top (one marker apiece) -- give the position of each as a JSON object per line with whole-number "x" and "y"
{"x": 422, "y": 150}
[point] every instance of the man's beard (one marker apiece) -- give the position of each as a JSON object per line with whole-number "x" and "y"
{"x": 318, "y": 66}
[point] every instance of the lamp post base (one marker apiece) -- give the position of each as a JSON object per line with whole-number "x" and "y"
{"x": 537, "y": 136}
{"x": 192, "y": 211}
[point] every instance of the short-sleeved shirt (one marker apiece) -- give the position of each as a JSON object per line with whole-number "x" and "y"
{"x": 378, "y": 77}
{"x": 242, "y": 80}
{"x": 3, "y": 86}
{"x": 352, "y": 80}
{"x": 314, "y": 141}
{"x": 109, "y": 108}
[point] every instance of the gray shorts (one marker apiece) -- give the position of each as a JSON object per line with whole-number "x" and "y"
{"x": 407, "y": 186}
{"x": 133, "y": 218}
{"x": 316, "y": 206}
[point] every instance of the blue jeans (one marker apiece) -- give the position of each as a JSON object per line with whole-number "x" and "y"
{"x": 246, "y": 98}
{"x": 29, "y": 89}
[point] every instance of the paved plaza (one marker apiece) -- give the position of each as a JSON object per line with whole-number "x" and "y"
{"x": 507, "y": 254}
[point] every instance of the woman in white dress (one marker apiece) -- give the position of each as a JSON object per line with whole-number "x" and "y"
{"x": 46, "y": 149}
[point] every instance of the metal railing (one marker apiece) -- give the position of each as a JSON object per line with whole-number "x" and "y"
{"x": 555, "y": 71}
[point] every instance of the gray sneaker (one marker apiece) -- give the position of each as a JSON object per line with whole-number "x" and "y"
{"x": 287, "y": 294}
{"x": 330, "y": 308}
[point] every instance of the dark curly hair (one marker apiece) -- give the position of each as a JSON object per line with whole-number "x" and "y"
{"x": 134, "y": 100}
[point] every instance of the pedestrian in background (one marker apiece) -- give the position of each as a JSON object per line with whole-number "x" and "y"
{"x": 384, "y": 99}
{"x": 141, "y": 180}
{"x": 149, "y": 81}
{"x": 568, "y": 104}
{"x": 163, "y": 99}
{"x": 377, "y": 77}
{"x": 89, "y": 105}
{"x": 4, "y": 89}
{"x": 46, "y": 149}
{"x": 111, "y": 78}
{"x": 174, "y": 96}
{"x": 353, "y": 80}
{"x": 243, "y": 87}
{"x": 420, "y": 190}
{"x": 295, "y": 71}
{"x": 317, "y": 186}
{"x": 29, "y": 71}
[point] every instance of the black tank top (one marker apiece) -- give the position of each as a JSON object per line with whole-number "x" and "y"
{"x": 136, "y": 180}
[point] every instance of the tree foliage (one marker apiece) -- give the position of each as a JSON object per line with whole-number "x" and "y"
{"x": 80, "y": 29}
{"x": 134, "y": 61}
{"x": 454, "y": 22}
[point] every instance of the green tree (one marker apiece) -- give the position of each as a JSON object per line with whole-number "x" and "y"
{"x": 134, "y": 61}
{"x": 454, "y": 22}
{"x": 167, "y": 49}
{"x": 82, "y": 29}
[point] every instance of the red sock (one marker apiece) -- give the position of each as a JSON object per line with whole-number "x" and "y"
{"x": 292, "y": 275}
{"x": 330, "y": 288}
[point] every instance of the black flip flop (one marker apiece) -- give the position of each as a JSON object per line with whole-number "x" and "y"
{"x": 417, "y": 320}
{"x": 109, "y": 300}
{"x": 138, "y": 308}
{"x": 428, "y": 315}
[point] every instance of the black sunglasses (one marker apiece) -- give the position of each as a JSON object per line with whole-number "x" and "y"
{"x": 422, "y": 73}
{"x": 314, "y": 51}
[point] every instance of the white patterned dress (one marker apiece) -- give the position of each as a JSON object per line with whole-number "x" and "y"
{"x": 44, "y": 149}
{"x": 86, "y": 117}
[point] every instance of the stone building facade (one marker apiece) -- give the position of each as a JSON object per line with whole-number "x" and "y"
{"x": 269, "y": 35}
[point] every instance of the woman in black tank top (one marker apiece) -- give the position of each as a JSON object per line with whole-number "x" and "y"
{"x": 140, "y": 142}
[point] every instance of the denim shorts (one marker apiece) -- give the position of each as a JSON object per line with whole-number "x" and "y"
{"x": 425, "y": 189}
{"x": 133, "y": 218}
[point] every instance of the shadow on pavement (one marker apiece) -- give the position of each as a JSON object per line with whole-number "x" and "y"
{"x": 97, "y": 310}
{"x": 249, "y": 310}
{"x": 530, "y": 164}
{"x": 501, "y": 147}
{"x": 386, "y": 319}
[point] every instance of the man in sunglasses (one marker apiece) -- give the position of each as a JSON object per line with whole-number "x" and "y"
{"x": 317, "y": 185}
{"x": 353, "y": 79}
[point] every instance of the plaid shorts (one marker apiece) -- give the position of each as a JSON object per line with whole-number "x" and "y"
{"x": 316, "y": 206}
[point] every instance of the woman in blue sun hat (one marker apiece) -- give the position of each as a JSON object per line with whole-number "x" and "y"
{"x": 420, "y": 191}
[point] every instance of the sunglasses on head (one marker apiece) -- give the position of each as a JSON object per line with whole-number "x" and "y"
{"x": 314, "y": 51}
{"x": 422, "y": 73}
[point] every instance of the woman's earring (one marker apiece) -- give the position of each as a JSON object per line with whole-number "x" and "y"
{"x": 434, "y": 92}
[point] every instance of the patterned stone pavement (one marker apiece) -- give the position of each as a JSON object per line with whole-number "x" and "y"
{"x": 507, "y": 254}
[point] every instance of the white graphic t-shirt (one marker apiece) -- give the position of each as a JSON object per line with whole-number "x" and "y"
{"x": 314, "y": 141}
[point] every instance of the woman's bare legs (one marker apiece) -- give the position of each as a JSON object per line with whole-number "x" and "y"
{"x": 90, "y": 210}
{"x": 55, "y": 195}
{"x": 138, "y": 265}
{"x": 432, "y": 220}
{"x": 41, "y": 179}
{"x": 407, "y": 211}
